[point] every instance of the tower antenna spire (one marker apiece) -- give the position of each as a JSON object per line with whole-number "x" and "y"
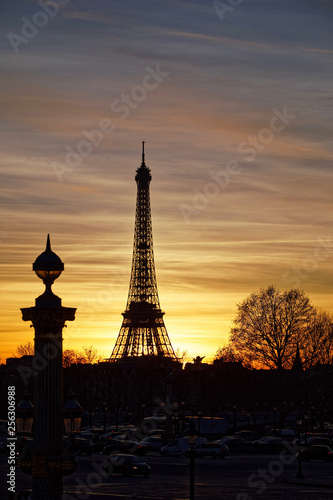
{"x": 143, "y": 152}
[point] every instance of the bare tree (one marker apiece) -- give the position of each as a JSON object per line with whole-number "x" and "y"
{"x": 317, "y": 345}
{"x": 182, "y": 356}
{"x": 269, "y": 325}
{"x": 24, "y": 350}
{"x": 229, "y": 355}
{"x": 71, "y": 357}
{"x": 91, "y": 354}
{"x": 88, "y": 355}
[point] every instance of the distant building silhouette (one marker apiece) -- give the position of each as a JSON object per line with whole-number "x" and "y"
{"x": 143, "y": 332}
{"x": 297, "y": 363}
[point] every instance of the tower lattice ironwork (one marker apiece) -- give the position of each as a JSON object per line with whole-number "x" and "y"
{"x": 143, "y": 332}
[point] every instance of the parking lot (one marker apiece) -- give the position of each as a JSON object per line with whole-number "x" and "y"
{"x": 237, "y": 477}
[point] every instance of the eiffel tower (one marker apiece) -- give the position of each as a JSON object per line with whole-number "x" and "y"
{"x": 143, "y": 332}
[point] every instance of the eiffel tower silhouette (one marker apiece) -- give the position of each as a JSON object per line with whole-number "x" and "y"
{"x": 143, "y": 332}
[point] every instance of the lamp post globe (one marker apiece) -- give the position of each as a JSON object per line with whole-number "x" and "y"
{"x": 48, "y": 267}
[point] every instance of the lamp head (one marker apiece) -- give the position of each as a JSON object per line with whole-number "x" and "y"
{"x": 72, "y": 413}
{"x": 48, "y": 267}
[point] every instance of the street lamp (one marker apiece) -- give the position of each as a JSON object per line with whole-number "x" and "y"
{"x": 312, "y": 418}
{"x": 235, "y": 418}
{"x": 104, "y": 416}
{"x": 24, "y": 416}
{"x": 275, "y": 410}
{"x": 143, "y": 406}
{"x": 299, "y": 462}
{"x": 199, "y": 422}
{"x": 305, "y": 429}
{"x": 175, "y": 418}
{"x": 191, "y": 439}
{"x": 72, "y": 413}
{"x": 182, "y": 405}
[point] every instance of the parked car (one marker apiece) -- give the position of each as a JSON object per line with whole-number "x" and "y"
{"x": 80, "y": 445}
{"x": 100, "y": 445}
{"x": 234, "y": 443}
{"x": 154, "y": 443}
{"x": 127, "y": 446}
{"x": 92, "y": 436}
{"x": 249, "y": 436}
{"x": 124, "y": 434}
{"x": 178, "y": 446}
{"x": 311, "y": 440}
{"x": 270, "y": 444}
{"x": 127, "y": 465}
{"x": 213, "y": 450}
{"x": 286, "y": 434}
{"x": 317, "y": 452}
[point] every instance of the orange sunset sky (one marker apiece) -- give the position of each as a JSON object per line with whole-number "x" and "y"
{"x": 236, "y": 112}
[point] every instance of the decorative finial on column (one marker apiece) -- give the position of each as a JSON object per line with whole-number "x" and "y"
{"x": 48, "y": 244}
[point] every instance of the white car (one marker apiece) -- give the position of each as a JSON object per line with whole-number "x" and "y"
{"x": 154, "y": 443}
{"x": 178, "y": 446}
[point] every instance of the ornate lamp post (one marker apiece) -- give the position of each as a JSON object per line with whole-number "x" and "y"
{"x": 72, "y": 413}
{"x": 48, "y": 462}
{"x": 24, "y": 416}
{"x": 191, "y": 438}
